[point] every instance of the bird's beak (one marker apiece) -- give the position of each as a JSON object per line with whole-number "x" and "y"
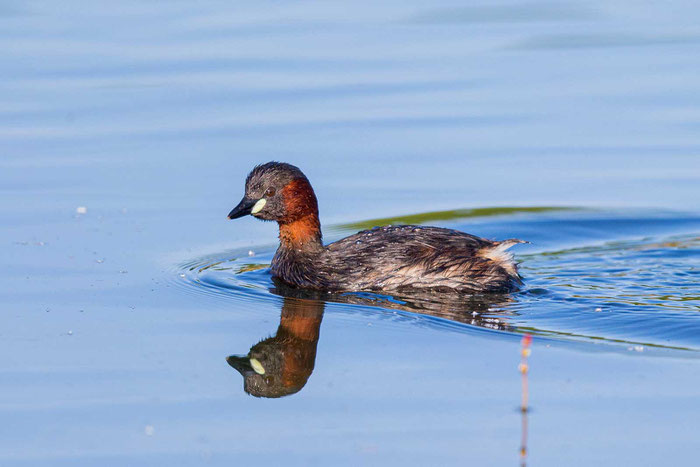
{"x": 243, "y": 209}
{"x": 242, "y": 364}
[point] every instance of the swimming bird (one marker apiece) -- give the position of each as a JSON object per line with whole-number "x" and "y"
{"x": 390, "y": 258}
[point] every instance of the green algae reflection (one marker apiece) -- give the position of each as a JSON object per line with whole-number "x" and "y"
{"x": 433, "y": 216}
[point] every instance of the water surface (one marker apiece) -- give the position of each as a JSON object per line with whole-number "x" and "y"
{"x": 128, "y": 324}
{"x": 589, "y": 276}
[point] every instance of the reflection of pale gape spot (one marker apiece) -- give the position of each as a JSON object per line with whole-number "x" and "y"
{"x": 257, "y": 207}
{"x": 257, "y": 366}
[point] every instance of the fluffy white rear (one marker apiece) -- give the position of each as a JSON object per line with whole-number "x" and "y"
{"x": 499, "y": 253}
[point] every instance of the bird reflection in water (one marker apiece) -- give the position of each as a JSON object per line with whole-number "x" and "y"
{"x": 282, "y": 364}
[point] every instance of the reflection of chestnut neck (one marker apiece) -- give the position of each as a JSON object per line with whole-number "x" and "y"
{"x": 301, "y": 320}
{"x": 299, "y": 330}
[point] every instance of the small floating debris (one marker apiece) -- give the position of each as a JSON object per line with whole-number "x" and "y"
{"x": 99, "y": 261}
{"x": 182, "y": 274}
{"x": 251, "y": 253}
{"x": 149, "y": 430}
{"x": 81, "y": 210}
{"x": 598, "y": 310}
{"x": 70, "y": 333}
{"x": 123, "y": 271}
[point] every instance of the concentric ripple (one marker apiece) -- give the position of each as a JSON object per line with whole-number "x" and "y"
{"x": 613, "y": 287}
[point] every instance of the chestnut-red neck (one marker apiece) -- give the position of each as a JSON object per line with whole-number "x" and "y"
{"x": 304, "y": 232}
{"x": 300, "y": 227}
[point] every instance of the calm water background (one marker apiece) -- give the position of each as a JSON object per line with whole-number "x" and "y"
{"x": 150, "y": 114}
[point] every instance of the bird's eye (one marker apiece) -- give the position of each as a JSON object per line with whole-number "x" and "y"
{"x": 269, "y": 192}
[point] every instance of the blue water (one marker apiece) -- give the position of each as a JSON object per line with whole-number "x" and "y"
{"x": 127, "y": 129}
{"x": 624, "y": 278}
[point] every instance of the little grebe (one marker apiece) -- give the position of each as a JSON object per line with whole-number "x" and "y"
{"x": 392, "y": 258}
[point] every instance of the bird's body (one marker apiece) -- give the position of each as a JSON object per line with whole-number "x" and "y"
{"x": 399, "y": 258}
{"x": 391, "y": 258}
